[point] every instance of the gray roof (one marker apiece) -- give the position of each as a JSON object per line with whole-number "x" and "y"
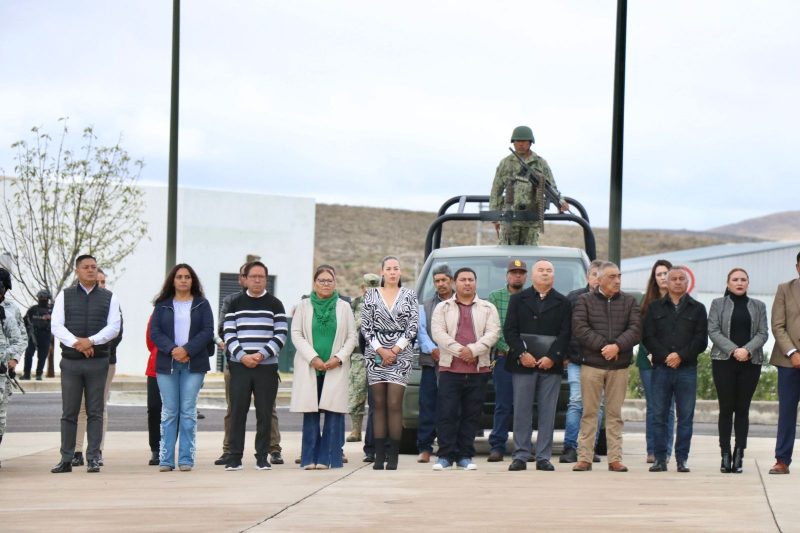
{"x": 694, "y": 255}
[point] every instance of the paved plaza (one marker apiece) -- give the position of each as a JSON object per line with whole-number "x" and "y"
{"x": 128, "y": 495}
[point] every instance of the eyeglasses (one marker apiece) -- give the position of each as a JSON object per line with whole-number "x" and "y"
{"x": 326, "y": 281}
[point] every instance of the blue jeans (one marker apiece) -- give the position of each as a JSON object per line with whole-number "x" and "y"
{"x": 426, "y": 428}
{"x": 322, "y": 448}
{"x": 503, "y": 405}
{"x": 788, "y": 397}
{"x": 575, "y": 408}
{"x": 680, "y": 383}
{"x": 179, "y": 392}
{"x": 646, "y": 377}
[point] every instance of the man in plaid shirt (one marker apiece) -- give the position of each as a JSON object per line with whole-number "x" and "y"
{"x": 503, "y": 391}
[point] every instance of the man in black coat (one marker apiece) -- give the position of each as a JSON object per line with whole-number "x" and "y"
{"x": 543, "y": 311}
{"x": 676, "y": 332}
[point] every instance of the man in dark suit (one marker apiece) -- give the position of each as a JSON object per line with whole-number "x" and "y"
{"x": 538, "y": 310}
{"x": 786, "y": 356}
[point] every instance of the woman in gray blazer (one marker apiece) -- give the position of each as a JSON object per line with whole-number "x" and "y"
{"x": 737, "y": 325}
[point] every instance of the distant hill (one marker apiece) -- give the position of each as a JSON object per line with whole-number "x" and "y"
{"x": 354, "y": 239}
{"x": 776, "y": 227}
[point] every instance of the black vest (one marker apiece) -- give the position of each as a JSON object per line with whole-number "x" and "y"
{"x": 85, "y": 315}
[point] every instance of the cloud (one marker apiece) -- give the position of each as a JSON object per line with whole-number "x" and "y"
{"x": 408, "y": 104}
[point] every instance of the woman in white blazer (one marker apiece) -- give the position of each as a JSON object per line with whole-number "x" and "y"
{"x": 324, "y": 334}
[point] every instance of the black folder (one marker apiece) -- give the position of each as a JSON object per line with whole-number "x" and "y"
{"x": 537, "y": 345}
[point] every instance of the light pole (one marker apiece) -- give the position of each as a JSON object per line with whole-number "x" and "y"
{"x": 172, "y": 192}
{"x": 615, "y": 202}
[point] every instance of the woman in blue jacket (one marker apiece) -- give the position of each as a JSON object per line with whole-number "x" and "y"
{"x": 182, "y": 329}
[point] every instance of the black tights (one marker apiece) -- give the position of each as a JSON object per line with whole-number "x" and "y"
{"x": 388, "y": 410}
{"x": 736, "y": 383}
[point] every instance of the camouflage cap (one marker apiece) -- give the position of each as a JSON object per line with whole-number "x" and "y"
{"x": 372, "y": 280}
{"x": 517, "y": 264}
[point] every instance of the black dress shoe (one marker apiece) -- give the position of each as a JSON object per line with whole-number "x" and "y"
{"x": 93, "y": 465}
{"x": 545, "y": 465}
{"x": 276, "y": 458}
{"x": 222, "y": 460}
{"x": 517, "y": 464}
{"x": 570, "y": 455}
{"x": 77, "y": 459}
{"x": 154, "y": 459}
{"x": 682, "y": 467}
{"x": 659, "y": 466}
{"x": 62, "y": 467}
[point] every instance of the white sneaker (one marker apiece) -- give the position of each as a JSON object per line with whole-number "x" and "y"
{"x": 441, "y": 464}
{"x": 467, "y": 464}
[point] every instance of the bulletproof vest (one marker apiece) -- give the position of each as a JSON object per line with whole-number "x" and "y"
{"x": 85, "y": 315}
{"x": 521, "y": 195}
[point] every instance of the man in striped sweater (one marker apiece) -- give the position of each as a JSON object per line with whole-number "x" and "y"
{"x": 254, "y": 332}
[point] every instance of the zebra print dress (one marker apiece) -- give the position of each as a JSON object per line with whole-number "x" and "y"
{"x": 384, "y": 327}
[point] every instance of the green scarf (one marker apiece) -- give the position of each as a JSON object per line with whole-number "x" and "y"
{"x": 323, "y": 325}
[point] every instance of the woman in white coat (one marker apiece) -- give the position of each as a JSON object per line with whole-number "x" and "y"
{"x": 324, "y": 334}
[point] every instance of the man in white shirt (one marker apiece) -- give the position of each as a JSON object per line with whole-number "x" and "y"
{"x": 85, "y": 319}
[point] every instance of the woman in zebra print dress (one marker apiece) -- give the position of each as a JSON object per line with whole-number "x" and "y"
{"x": 389, "y": 320}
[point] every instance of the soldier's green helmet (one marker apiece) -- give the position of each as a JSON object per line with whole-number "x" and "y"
{"x": 522, "y": 133}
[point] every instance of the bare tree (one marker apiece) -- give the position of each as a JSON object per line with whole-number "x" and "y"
{"x": 62, "y": 203}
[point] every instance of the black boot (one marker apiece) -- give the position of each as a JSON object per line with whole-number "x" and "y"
{"x": 154, "y": 460}
{"x": 380, "y": 454}
{"x": 738, "y": 455}
{"x": 725, "y": 465}
{"x": 392, "y": 456}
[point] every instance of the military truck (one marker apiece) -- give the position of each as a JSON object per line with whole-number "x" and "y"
{"x": 489, "y": 263}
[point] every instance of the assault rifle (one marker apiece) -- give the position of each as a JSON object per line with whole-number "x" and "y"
{"x": 11, "y": 375}
{"x": 551, "y": 195}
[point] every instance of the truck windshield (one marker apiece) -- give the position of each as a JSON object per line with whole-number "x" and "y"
{"x": 491, "y": 271}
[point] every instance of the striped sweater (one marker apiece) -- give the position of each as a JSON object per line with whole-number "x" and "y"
{"x": 255, "y": 325}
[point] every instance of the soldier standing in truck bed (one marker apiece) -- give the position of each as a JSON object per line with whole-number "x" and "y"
{"x": 513, "y": 191}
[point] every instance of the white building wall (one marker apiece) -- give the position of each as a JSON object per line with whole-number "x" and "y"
{"x": 216, "y": 231}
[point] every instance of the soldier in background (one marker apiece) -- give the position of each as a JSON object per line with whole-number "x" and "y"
{"x": 512, "y": 190}
{"x": 37, "y": 322}
{"x": 12, "y": 345}
{"x": 12, "y": 312}
{"x": 358, "y": 373}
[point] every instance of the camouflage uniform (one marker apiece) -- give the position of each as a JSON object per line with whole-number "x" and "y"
{"x": 13, "y": 342}
{"x": 357, "y": 393}
{"x": 513, "y": 191}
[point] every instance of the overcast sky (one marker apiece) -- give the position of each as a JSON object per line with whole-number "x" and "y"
{"x": 404, "y": 104}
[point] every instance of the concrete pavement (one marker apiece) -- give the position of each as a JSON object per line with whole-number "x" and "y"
{"x": 128, "y": 495}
